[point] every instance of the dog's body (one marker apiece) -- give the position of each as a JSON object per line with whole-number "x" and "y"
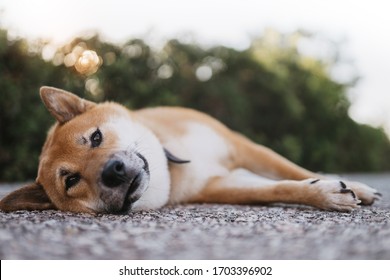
{"x": 103, "y": 158}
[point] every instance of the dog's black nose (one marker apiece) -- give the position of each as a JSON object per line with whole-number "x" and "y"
{"x": 114, "y": 173}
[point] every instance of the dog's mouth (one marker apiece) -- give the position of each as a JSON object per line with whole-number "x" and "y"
{"x": 123, "y": 203}
{"x": 132, "y": 194}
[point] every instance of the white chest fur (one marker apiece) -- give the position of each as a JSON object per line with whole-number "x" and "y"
{"x": 208, "y": 153}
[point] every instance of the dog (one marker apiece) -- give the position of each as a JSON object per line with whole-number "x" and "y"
{"x": 104, "y": 158}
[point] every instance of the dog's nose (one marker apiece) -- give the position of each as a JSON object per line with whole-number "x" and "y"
{"x": 114, "y": 173}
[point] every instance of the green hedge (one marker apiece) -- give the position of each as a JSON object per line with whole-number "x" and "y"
{"x": 272, "y": 94}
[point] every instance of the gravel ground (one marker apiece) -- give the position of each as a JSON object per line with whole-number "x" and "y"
{"x": 203, "y": 231}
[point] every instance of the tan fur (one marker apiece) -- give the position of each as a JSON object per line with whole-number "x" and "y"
{"x": 245, "y": 153}
{"x": 225, "y": 166}
{"x": 219, "y": 191}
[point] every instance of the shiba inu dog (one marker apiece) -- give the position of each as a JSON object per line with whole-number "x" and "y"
{"x": 104, "y": 158}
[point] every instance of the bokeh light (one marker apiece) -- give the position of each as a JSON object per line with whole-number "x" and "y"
{"x": 88, "y": 62}
{"x": 204, "y": 73}
{"x": 83, "y": 59}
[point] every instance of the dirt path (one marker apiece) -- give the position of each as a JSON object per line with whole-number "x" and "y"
{"x": 203, "y": 231}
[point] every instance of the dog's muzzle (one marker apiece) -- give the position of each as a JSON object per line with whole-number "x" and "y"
{"x": 124, "y": 181}
{"x": 114, "y": 173}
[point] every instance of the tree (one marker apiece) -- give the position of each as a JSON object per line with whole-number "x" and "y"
{"x": 272, "y": 94}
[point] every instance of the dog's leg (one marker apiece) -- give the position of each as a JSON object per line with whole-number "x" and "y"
{"x": 265, "y": 162}
{"x": 244, "y": 187}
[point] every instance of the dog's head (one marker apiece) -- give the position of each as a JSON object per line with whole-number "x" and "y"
{"x": 97, "y": 158}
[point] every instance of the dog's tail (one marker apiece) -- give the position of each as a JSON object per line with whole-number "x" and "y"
{"x": 265, "y": 162}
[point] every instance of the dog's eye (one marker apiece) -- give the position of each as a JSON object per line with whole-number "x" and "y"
{"x": 72, "y": 180}
{"x": 96, "y": 139}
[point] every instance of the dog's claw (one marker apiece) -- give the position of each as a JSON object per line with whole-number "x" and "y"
{"x": 345, "y": 190}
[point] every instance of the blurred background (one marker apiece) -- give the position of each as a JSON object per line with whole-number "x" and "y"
{"x": 306, "y": 78}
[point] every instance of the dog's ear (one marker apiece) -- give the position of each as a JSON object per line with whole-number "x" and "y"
{"x": 30, "y": 197}
{"x": 172, "y": 158}
{"x": 64, "y": 105}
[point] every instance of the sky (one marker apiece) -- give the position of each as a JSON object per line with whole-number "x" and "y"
{"x": 360, "y": 28}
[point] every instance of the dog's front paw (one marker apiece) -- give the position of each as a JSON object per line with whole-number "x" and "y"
{"x": 366, "y": 194}
{"x": 333, "y": 195}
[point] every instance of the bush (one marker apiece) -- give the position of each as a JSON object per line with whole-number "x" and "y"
{"x": 275, "y": 96}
